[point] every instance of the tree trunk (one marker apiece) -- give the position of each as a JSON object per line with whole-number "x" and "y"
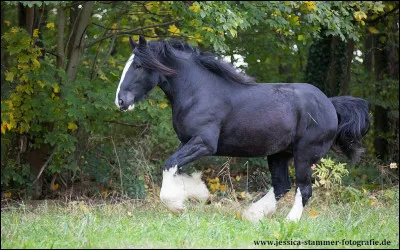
{"x": 35, "y": 157}
{"x": 60, "y": 37}
{"x": 77, "y": 42}
{"x": 381, "y": 113}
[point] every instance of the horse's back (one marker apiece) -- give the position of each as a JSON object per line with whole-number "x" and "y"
{"x": 269, "y": 118}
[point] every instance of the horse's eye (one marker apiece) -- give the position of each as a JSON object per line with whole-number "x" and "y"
{"x": 138, "y": 66}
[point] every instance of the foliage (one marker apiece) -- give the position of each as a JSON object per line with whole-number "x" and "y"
{"x": 328, "y": 173}
{"x": 76, "y": 119}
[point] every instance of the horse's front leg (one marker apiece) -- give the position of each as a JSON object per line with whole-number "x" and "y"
{"x": 176, "y": 188}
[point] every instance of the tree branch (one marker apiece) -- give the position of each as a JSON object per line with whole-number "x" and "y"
{"x": 383, "y": 16}
{"x": 45, "y": 165}
{"x": 133, "y": 30}
{"x": 108, "y": 54}
{"x": 60, "y": 37}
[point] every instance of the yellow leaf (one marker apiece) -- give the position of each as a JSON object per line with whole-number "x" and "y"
{"x": 3, "y": 128}
{"x": 301, "y": 37}
{"x": 150, "y": 102}
{"x": 9, "y": 126}
{"x": 296, "y": 20}
{"x": 14, "y": 30}
{"x": 359, "y": 15}
{"x": 163, "y": 105}
{"x": 238, "y": 177}
{"x": 41, "y": 84}
{"x": 36, "y": 63}
{"x": 53, "y": 95}
{"x": 276, "y": 235}
{"x": 198, "y": 37}
{"x": 10, "y": 104}
{"x": 313, "y": 213}
{"x": 54, "y": 187}
{"x": 238, "y": 216}
{"x": 173, "y": 29}
{"x": 310, "y": 5}
{"x": 23, "y": 78}
{"x": 23, "y": 66}
{"x": 56, "y": 89}
{"x": 7, "y": 22}
{"x": 9, "y": 76}
{"x": 373, "y": 30}
{"x": 194, "y": 8}
{"x": 114, "y": 27}
{"x": 72, "y": 126}
{"x": 50, "y": 26}
{"x": 36, "y": 33}
{"x": 7, "y": 195}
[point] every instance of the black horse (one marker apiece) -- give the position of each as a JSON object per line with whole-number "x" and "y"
{"x": 218, "y": 111}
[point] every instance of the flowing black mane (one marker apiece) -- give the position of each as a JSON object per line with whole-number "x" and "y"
{"x": 167, "y": 50}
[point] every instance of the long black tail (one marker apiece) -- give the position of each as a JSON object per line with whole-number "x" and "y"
{"x": 354, "y": 122}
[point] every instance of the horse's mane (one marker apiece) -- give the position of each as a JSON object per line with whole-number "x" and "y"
{"x": 167, "y": 49}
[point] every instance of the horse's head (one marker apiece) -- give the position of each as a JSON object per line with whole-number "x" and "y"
{"x": 143, "y": 71}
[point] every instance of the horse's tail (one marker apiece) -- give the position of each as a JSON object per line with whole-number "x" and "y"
{"x": 353, "y": 124}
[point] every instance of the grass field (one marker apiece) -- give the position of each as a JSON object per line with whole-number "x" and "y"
{"x": 144, "y": 224}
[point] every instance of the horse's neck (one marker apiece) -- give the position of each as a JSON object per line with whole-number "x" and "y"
{"x": 185, "y": 84}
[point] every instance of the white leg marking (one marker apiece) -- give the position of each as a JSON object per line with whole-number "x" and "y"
{"x": 172, "y": 192}
{"x": 297, "y": 208}
{"x": 195, "y": 188}
{"x": 127, "y": 65}
{"x": 266, "y": 206}
{"x": 176, "y": 189}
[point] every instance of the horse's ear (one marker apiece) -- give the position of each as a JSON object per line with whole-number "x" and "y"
{"x": 142, "y": 41}
{"x": 133, "y": 43}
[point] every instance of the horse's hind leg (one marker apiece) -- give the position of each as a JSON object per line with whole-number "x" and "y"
{"x": 266, "y": 206}
{"x": 306, "y": 153}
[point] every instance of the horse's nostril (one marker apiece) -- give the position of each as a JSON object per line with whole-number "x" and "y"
{"x": 120, "y": 102}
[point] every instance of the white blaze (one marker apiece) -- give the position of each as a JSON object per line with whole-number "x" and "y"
{"x": 266, "y": 206}
{"x": 297, "y": 208}
{"x": 127, "y": 65}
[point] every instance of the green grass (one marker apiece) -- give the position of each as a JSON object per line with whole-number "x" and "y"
{"x": 134, "y": 224}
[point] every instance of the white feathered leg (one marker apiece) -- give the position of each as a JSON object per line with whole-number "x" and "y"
{"x": 176, "y": 189}
{"x": 266, "y": 206}
{"x": 297, "y": 209}
{"x": 172, "y": 192}
{"x": 195, "y": 188}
